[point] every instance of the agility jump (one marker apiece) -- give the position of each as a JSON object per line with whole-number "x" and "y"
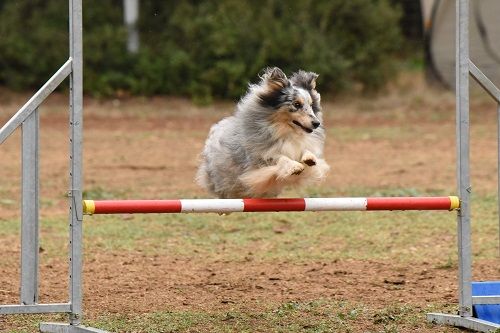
{"x": 27, "y": 118}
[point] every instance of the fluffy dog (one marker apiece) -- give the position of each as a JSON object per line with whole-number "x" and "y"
{"x": 274, "y": 139}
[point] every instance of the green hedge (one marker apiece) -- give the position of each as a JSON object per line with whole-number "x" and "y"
{"x": 203, "y": 48}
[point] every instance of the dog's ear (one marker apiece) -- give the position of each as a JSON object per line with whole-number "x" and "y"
{"x": 275, "y": 77}
{"x": 274, "y": 83}
{"x": 316, "y": 98}
{"x": 303, "y": 79}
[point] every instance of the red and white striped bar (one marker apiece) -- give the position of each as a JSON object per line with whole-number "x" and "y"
{"x": 268, "y": 205}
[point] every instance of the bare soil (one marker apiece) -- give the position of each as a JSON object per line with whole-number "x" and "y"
{"x": 137, "y": 283}
{"x": 147, "y": 148}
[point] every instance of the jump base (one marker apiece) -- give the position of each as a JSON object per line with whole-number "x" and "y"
{"x": 465, "y": 322}
{"x": 67, "y": 328}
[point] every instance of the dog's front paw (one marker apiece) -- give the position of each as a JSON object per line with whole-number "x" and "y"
{"x": 290, "y": 168}
{"x": 309, "y": 159}
{"x": 296, "y": 169}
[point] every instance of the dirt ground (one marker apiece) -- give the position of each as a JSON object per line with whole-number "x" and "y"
{"x": 137, "y": 283}
{"x": 147, "y": 148}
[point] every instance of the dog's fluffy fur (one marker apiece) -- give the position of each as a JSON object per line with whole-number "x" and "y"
{"x": 274, "y": 139}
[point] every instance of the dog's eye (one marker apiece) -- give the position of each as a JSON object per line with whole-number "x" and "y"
{"x": 298, "y": 105}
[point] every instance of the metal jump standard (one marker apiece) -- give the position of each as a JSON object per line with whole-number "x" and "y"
{"x": 27, "y": 119}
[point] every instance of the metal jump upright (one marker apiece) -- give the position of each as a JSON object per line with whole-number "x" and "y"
{"x": 27, "y": 119}
{"x": 464, "y": 68}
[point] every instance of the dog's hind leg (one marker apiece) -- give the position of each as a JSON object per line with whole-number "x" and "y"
{"x": 261, "y": 181}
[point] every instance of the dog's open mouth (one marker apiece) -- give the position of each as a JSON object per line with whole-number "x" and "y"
{"x": 307, "y": 129}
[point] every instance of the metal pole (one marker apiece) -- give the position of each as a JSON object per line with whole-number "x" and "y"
{"x": 131, "y": 15}
{"x": 498, "y": 172}
{"x": 463, "y": 176}
{"x": 75, "y": 175}
{"x": 29, "y": 217}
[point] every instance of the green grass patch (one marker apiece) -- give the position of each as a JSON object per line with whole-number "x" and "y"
{"x": 317, "y": 316}
{"x": 29, "y": 323}
{"x": 401, "y": 236}
{"x": 422, "y": 235}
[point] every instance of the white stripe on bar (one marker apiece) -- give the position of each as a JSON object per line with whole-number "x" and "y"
{"x": 330, "y": 204}
{"x": 211, "y": 205}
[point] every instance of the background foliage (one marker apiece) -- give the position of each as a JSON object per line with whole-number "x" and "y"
{"x": 203, "y": 49}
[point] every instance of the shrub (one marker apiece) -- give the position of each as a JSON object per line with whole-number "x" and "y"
{"x": 203, "y": 49}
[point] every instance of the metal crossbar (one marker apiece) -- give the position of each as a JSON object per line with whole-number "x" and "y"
{"x": 484, "y": 82}
{"x": 36, "y": 308}
{"x": 481, "y": 300}
{"x": 35, "y": 101}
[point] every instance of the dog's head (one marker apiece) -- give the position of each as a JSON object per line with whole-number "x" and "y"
{"x": 294, "y": 101}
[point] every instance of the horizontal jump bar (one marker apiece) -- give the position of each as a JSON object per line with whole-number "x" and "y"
{"x": 268, "y": 205}
{"x": 35, "y": 308}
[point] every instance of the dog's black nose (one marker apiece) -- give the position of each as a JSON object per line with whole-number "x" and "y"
{"x": 316, "y": 124}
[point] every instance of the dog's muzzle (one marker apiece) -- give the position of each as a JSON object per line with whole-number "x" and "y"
{"x": 306, "y": 129}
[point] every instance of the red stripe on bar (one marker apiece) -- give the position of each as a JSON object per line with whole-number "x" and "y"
{"x": 409, "y": 203}
{"x": 270, "y": 205}
{"x": 137, "y": 206}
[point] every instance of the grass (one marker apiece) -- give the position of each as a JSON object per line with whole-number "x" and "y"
{"x": 318, "y": 316}
{"x": 298, "y": 236}
{"x": 269, "y": 236}
{"x": 399, "y": 236}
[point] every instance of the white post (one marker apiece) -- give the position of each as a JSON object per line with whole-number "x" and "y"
{"x": 131, "y": 15}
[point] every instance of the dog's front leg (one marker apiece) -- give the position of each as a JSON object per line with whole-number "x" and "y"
{"x": 319, "y": 168}
{"x": 309, "y": 158}
{"x": 288, "y": 167}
